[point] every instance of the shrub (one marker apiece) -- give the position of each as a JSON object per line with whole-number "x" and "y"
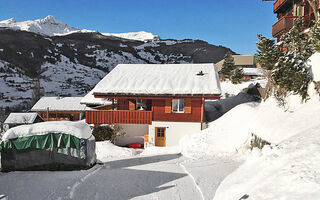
{"x": 110, "y": 132}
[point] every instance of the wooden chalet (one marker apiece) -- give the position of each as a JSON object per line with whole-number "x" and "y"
{"x": 60, "y": 108}
{"x": 287, "y": 11}
{"x": 164, "y": 101}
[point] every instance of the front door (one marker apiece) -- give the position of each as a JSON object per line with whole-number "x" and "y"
{"x": 160, "y": 136}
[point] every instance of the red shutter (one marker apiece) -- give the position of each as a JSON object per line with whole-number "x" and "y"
{"x": 167, "y": 108}
{"x": 187, "y": 106}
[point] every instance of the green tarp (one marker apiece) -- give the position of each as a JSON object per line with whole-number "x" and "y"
{"x": 50, "y": 140}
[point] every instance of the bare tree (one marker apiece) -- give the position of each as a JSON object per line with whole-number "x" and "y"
{"x": 314, "y": 6}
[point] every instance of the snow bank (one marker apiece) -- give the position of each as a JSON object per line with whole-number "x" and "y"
{"x": 106, "y": 150}
{"x": 314, "y": 61}
{"x": 290, "y": 170}
{"x": 77, "y": 129}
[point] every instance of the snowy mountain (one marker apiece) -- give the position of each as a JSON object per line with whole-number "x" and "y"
{"x": 50, "y": 26}
{"x": 141, "y": 35}
{"x": 47, "y": 26}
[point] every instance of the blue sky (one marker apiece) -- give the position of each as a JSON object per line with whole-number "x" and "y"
{"x": 231, "y": 23}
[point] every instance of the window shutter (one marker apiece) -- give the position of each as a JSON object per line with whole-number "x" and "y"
{"x": 167, "y": 107}
{"x": 132, "y": 106}
{"x": 187, "y": 106}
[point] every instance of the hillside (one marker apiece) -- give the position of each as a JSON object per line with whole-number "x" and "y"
{"x": 62, "y": 60}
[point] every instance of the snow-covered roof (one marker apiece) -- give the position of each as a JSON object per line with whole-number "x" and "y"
{"x": 21, "y": 118}
{"x": 160, "y": 79}
{"x": 90, "y": 100}
{"x": 59, "y": 104}
{"x": 253, "y": 71}
{"x": 78, "y": 129}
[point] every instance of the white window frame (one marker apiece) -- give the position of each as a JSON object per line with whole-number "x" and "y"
{"x": 178, "y": 102}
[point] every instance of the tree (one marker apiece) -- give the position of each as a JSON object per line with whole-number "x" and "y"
{"x": 314, "y": 5}
{"x": 37, "y": 91}
{"x": 268, "y": 54}
{"x": 314, "y": 36}
{"x": 227, "y": 66}
{"x": 236, "y": 75}
{"x": 291, "y": 73}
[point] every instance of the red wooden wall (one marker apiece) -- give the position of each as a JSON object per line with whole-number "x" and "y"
{"x": 196, "y": 115}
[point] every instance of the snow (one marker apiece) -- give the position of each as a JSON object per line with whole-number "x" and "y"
{"x": 21, "y": 118}
{"x": 253, "y": 71}
{"x": 59, "y": 104}
{"x": 234, "y": 89}
{"x": 160, "y": 79}
{"x": 90, "y": 100}
{"x": 106, "y": 150}
{"x": 314, "y": 61}
{"x": 77, "y": 129}
{"x": 140, "y": 36}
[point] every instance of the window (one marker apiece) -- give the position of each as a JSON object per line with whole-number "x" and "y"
{"x": 178, "y": 105}
{"x": 160, "y": 132}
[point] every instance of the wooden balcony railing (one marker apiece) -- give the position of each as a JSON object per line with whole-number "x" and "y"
{"x": 277, "y": 5}
{"x": 118, "y": 117}
{"x": 282, "y": 26}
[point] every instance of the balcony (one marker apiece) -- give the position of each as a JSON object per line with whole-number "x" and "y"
{"x": 282, "y": 26}
{"x": 118, "y": 117}
{"x": 281, "y": 5}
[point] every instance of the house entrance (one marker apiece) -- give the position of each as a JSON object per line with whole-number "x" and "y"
{"x": 160, "y": 136}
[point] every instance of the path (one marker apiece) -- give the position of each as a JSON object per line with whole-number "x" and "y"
{"x": 153, "y": 177}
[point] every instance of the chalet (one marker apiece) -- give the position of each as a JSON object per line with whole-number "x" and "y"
{"x": 162, "y": 102}
{"x": 16, "y": 119}
{"x": 287, "y": 11}
{"x": 60, "y": 108}
{"x": 251, "y": 73}
{"x": 244, "y": 61}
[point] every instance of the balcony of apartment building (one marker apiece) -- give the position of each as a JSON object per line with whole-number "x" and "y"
{"x": 282, "y": 5}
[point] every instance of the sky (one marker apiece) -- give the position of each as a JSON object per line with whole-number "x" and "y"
{"x": 231, "y": 23}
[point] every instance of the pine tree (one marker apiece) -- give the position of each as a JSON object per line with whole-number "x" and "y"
{"x": 291, "y": 73}
{"x": 236, "y": 75}
{"x": 268, "y": 52}
{"x": 227, "y": 66}
{"x": 314, "y": 36}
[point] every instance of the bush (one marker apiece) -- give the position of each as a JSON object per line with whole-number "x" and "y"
{"x": 111, "y": 132}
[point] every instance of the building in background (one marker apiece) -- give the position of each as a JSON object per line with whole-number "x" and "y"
{"x": 16, "y": 119}
{"x": 244, "y": 61}
{"x": 287, "y": 11}
{"x": 60, "y": 108}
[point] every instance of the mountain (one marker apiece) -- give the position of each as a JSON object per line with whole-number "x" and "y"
{"x": 50, "y": 26}
{"x": 34, "y": 58}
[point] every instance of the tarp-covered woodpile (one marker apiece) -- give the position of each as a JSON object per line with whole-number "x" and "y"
{"x": 48, "y": 146}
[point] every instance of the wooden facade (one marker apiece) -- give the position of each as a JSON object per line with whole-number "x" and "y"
{"x": 60, "y": 115}
{"x": 287, "y": 11}
{"x": 157, "y": 109}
